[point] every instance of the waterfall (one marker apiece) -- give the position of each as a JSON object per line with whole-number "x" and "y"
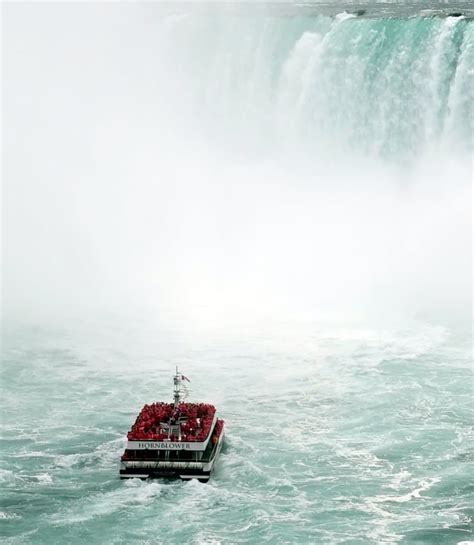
{"x": 389, "y": 87}
{"x": 223, "y": 162}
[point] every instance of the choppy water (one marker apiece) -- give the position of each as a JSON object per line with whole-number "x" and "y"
{"x": 333, "y": 436}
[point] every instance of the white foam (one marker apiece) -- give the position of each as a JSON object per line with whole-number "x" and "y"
{"x": 344, "y": 16}
{"x": 44, "y": 478}
{"x": 6, "y": 476}
{"x": 397, "y": 480}
{"x": 33, "y": 454}
{"x": 208, "y": 541}
{"x": 360, "y": 457}
{"x": 416, "y": 493}
{"x": 9, "y": 516}
{"x": 133, "y": 493}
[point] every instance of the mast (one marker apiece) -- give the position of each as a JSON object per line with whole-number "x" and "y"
{"x": 180, "y": 391}
{"x": 177, "y": 388}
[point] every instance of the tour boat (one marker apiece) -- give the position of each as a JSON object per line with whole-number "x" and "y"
{"x": 173, "y": 439}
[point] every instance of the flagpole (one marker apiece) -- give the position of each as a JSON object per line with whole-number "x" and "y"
{"x": 176, "y": 381}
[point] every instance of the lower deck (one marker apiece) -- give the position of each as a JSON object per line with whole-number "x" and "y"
{"x": 145, "y": 464}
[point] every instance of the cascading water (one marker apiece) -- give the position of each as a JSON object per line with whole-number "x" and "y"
{"x": 275, "y": 197}
{"x": 393, "y": 88}
{"x": 361, "y": 124}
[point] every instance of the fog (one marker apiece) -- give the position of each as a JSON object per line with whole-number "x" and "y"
{"x": 128, "y": 190}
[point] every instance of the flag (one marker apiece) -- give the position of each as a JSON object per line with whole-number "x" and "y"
{"x": 185, "y": 378}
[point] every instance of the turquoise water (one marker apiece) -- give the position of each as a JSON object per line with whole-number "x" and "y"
{"x": 293, "y": 188}
{"x": 333, "y": 436}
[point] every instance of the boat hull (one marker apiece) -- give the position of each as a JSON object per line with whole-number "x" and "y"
{"x": 146, "y": 469}
{"x": 147, "y": 473}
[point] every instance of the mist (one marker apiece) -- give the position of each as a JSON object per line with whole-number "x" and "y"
{"x": 144, "y": 175}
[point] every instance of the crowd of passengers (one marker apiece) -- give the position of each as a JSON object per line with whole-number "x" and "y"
{"x": 195, "y": 422}
{"x": 217, "y": 431}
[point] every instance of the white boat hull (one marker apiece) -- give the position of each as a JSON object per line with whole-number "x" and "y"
{"x": 186, "y": 470}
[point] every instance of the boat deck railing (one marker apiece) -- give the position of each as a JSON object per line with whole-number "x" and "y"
{"x": 150, "y": 464}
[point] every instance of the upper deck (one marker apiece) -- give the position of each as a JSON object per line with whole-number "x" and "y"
{"x": 164, "y": 426}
